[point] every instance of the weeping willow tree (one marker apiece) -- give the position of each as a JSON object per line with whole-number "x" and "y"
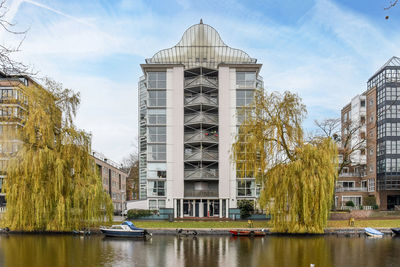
{"x": 52, "y": 183}
{"x": 297, "y": 177}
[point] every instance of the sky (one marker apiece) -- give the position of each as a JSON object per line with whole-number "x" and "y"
{"x": 324, "y": 50}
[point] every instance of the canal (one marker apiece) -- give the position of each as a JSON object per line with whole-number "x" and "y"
{"x": 322, "y": 251}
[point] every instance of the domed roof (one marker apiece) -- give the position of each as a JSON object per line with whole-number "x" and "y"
{"x": 201, "y": 45}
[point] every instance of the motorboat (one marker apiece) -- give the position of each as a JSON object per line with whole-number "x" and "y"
{"x": 248, "y": 232}
{"x": 126, "y": 229}
{"x": 396, "y": 231}
{"x": 373, "y": 232}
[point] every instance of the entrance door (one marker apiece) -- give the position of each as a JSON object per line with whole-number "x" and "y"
{"x": 393, "y": 201}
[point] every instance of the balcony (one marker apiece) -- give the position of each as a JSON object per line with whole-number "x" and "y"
{"x": 201, "y": 117}
{"x": 201, "y": 174}
{"x": 201, "y": 136}
{"x": 351, "y": 189}
{"x": 201, "y": 155}
{"x": 201, "y": 193}
{"x": 201, "y": 99}
{"x": 201, "y": 80}
{"x": 353, "y": 174}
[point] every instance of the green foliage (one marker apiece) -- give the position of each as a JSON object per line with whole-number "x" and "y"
{"x": 369, "y": 201}
{"x": 297, "y": 177}
{"x": 375, "y": 207}
{"x": 138, "y": 213}
{"x": 52, "y": 183}
{"x": 246, "y": 208}
{"x": 350, "y": 203}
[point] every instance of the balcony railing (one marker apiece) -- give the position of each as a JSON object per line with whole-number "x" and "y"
{"x": 201, "y": 193}
{"x": 201, "y": 117}
{"x": 201, "y": 136}
{"x": 201, "y": 80}
{"x": 353, "y": 174}
{"x": 201, "y": 155}
{"x": 351, "y": 189}
{"x": 201, "y": 99}
{"x": 201, "y": 174}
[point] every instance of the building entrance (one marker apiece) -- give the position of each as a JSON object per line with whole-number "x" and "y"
{"x": 393, "y": 201}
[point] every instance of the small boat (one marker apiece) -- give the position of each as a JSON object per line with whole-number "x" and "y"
{"x": 126, "y": 229}
{"x": 373, "y": 232}
{"x": 247, "y": 232}
{"x": 81, "y": 232}
{"x": 396, "y": 231}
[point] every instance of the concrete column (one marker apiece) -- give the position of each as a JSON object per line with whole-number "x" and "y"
{"x": 175, "y": 207}
{"x": 181, "y": 207}
{"x": 220, "y": 207}
{"x": 194, "y": 208}
{"x": 201, "y": 209}
{"x": 208, "y": 207}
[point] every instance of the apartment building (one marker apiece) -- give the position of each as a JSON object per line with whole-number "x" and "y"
{"x": 374, "y": 170}
{"x": 113, "y": 180}
{"x": 13, "y": 104}
{"x": 188, "y": 101}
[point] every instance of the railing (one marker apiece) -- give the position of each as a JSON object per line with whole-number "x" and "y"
{"x": 201, "y": 193}
{"x": 201, "y": 117}
{"x": 353, "y": 174}
{"x": 201, "y": 80}
{"x": 201, "y": 173}
{"x": 351, "y": 189}
{"x": 201, "y": 99}
{"x": 201, "y": 155}
{"x": 201, "y": 136}
{"x": 356, "y": 208}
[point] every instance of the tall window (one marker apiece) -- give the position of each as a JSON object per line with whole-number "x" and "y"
{"x": 245, "y": 188}
{"x": 157, "y": 80}
{"x": 157, "y": 134}
{"x": 244, "y": 97}
{"x": 245, "y": 80}
{"x": 157, "y": 99}
{"x": 157, "y": 152}
{"x": 157, "y": 116}
{"x": 156, "y": 188}
{"x": 156, "y": 170}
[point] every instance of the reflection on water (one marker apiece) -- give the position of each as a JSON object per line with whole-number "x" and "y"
{"x": 56, "y": 250}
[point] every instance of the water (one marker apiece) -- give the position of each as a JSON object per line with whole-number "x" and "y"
{"x": 322, "y": 251}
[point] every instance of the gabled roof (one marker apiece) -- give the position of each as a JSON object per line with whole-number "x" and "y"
{"x": 201, "y": 45}
{"x": 392, "y": 62}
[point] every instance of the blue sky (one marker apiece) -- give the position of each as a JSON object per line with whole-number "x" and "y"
{"x": 324, "y": 50}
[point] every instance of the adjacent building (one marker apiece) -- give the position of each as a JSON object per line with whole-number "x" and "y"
{"x": 375, "y": 166}
{"x": 113, "y": 180}
{"x": 188, "y": 101}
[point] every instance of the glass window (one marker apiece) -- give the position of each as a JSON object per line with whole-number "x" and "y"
{"x": 161, "y": 203}
{"x": 157, "y": 170}
{"x": 152, "y": 204}
{"x": 157, "y": 116}
{"x": 244, "y": 97}
{"x": 157, "y": 98}
{"x": 245, "y": 188}
{"x": 157, "y": 152}
{"x": 156, "y": 188}
{"x": 157, "y": 134}
{"x": 245, "y": 79}
{"x": 157, "y": 80}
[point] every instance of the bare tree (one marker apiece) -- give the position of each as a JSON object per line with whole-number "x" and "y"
{"x": 131, "y": 165}
{"x": 7, "y": 64}
{"x": 346, "y": 134}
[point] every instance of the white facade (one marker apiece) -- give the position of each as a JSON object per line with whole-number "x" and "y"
{"x": 358, "y": 120}
{"x": 188, "y": 100}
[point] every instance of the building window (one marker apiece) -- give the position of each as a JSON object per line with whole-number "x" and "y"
{"x": 245, "y": 188}
{"x": 346, "y": 184}
{"x": 156, "y": 188}
{"x": 356, "y": 200}
{"x": 157, "y": 152}
{"x": 245, "y": 79}
{"x": 371, "y": 168}
{"x": 362, "y": 103}
{"x": 157, "y": 80}
{"x": 157, "y": 116}
{"x": 244, "y": 97}
{"x": 152, "y": 204}
{"x": 156, "y": 170}
{"x": 371, "y": 101}
{"x": 371, "y": 185}
{"x": 157, "y": 134}
{"x": 371, "y": 151}
{"x": 157, "y": 99}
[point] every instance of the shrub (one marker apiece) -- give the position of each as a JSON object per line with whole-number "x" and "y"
{"x": 369, "y": 201}
{"x": 375, "y": 207}
{"x": 246, "y": 208}
{"x": 350, "y": 203}
{"x": 137, "y": 213}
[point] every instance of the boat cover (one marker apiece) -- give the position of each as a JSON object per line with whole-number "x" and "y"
{"x": 373, "y": 231}
{"x": 130, "y": 224}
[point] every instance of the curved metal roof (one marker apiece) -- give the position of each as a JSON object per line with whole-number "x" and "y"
{"x": 201, "y": 45}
